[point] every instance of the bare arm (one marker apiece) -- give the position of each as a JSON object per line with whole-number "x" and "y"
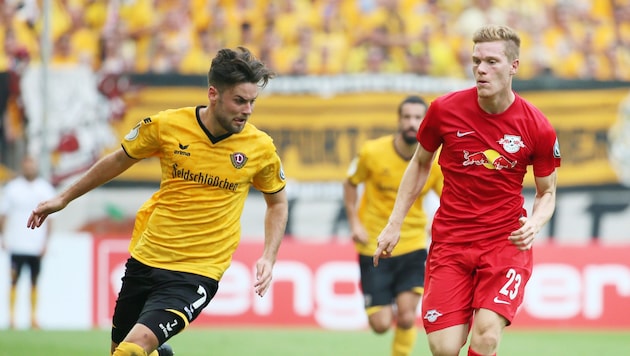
{"x": 100, "y": 173}
{"x": 410, "y": 187}
{"x": 275, "y": 225}
{"x": 350, "y": 200}
{"x": 47, "y": 239}
{"x": 544, "y": 206}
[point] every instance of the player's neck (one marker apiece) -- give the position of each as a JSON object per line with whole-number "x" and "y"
{"x": 498, "y": 103}
{"x": 211, "y": 124}
{"x": 404, "y": 149}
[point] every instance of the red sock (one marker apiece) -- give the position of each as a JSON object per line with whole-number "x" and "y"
{"x": 473, "y": 353}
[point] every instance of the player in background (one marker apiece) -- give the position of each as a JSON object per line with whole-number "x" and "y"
{"x": 392, "y": 291}
{"x": 481, "y": 253}
{"x": 26, "y": 247}
{"x": 185, "y": 235}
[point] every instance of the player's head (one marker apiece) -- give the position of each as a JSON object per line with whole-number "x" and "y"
{"x": 30, "y": 170}
{"x": 234, "y": 80}
{"x": 495, "y": 58}
{"x": 411, "y": 111}
{"x": 235, "y": 66}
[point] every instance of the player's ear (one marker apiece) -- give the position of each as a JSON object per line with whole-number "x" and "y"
{"x": 213, "y": 94}
{"x": 514, "y": 68}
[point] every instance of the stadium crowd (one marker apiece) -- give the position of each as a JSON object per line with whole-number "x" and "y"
{"x": 587, "y": 39}
{"x": 569, "y": 39}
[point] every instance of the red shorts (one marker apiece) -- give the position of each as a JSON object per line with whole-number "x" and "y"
{"x": 463, "y": 277}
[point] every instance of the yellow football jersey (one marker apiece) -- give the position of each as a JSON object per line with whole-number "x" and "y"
{"x": 380, "y": 168}
{"x": 192, "y": 223}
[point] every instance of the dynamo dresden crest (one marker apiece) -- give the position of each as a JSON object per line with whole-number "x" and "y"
{"x": 238, "y": 160}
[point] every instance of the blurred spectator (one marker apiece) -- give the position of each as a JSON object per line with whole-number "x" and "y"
{"x": 331, "y": 37}
{"x": 5, "y": 63}
{"x": 26, "y": 247}
{"x": 137, "y": 21}
{"x": 563, "y": 36}
{"x": 432, "y": 53}
{"x": 13, "y": 59}
{"x": 477, "y": 14}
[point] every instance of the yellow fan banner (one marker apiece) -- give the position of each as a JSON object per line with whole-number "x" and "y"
{"x": 317, "y": 137}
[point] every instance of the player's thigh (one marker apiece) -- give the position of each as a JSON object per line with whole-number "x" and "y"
{"x": 449, "y": 285}
{"x": 17, "y": 263}
{"x": 133, "y": 294}
{"x": 406, "y": 308}
{"x": 409, "y": 272}
{"x": 177, "y": 300}
{"x": 34, "y": 265}
{"x": 376, "y": 282}
{"x": 502, "y": 279}
{"x": 488, "y": 322}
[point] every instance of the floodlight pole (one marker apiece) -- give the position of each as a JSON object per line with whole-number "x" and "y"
{"x": 45, "y": 167}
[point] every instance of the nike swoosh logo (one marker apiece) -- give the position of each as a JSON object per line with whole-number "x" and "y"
{"x": 499, "y": 301}
{"x": 462, "y": 134}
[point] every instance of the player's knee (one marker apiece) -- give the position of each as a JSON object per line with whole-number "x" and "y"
{"x": 164, "y": 324}
{"x": 447, "y": 342}
{"x": 486, "y": 331}
{"x": 444, "y": 347}
{"x": 381, "y": 321}
{"x": 486, "y": 341}
{"x": 406, "y": 319}
{"x": 379, "y": 328}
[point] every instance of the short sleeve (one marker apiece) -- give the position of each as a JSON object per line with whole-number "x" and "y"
{"x": 271, "y": 178}
{"x": 143, "y": 139}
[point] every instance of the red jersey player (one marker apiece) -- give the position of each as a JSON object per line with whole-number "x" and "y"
{"x": 481, "y": 258}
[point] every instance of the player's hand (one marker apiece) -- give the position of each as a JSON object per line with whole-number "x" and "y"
{"x": 385, "y": 243}
{"x": 42, "y": 211}
{"x": 523, "y": 238}
{"x": 263, "y": 276}
{"x": 359, "y": 235}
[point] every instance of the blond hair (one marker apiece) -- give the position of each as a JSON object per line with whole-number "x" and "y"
{"x": 492, "y": 33}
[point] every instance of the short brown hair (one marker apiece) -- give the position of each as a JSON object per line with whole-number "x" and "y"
{"x": 235, "y": 66}
{"x": 491, "y": 33}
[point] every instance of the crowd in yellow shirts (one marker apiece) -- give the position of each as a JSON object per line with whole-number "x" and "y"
{"x": 575, "y": 39}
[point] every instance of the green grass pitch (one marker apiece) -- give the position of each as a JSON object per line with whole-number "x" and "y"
{"x": 307, "y": 342}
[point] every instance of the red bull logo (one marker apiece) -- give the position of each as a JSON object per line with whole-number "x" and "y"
{"x": 490, "y": 159}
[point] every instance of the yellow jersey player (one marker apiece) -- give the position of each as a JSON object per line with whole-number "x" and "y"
{"x": 186, "y": 233}
{"x": 399, "y": 280}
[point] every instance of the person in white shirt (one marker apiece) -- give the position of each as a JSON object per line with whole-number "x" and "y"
{"x": 25, "y": 246}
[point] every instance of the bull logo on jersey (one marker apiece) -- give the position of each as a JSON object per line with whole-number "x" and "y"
{"x": 490, "y": 159}
{"x": 238, "y": 160}
{"x": 432, "y": 315}
{"x": 511, "y": 143}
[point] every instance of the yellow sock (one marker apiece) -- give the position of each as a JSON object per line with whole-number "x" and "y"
{"x": 34, "y": 307}
{"x": 129, "y": 349}
{"x": 12, "y": 298}
{"x": 154, "y": 353}
{"x": 404, "y": 340}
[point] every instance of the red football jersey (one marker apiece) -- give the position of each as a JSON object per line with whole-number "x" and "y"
{"x": 484, "y": 159}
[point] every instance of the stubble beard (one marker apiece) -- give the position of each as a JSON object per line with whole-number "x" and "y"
{"x": 410, "y": 140}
